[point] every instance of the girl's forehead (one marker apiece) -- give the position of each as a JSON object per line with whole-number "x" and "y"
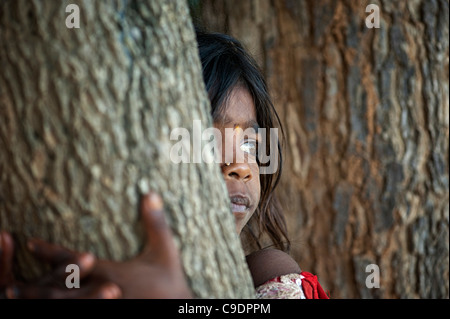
{"x": 239, "y": 110}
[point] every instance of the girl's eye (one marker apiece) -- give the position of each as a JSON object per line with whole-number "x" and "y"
{"x": 250, "y": 147}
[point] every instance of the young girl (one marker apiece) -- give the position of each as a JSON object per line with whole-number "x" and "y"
{"x": 239, "y": 99}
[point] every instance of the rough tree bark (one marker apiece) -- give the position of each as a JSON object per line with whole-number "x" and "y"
{"x": 85, "y": 122}
{"x": 366, "y": 112}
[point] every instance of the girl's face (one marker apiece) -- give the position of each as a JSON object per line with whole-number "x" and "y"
{"x": 239, "y": 167}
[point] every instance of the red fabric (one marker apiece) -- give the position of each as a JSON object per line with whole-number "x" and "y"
{"x": 312, "y": 287}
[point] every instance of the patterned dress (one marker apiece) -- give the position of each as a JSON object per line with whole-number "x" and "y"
{"x": 292, "y": 286}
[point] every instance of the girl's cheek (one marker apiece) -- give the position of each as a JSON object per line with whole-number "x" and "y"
{"x": 255, "y": 173}
{"x": 255, "y": 169}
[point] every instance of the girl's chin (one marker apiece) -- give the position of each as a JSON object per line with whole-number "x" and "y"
{"x": 240, "y": 219}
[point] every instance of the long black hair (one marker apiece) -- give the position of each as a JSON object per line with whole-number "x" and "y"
{"x": 226, "y": 65}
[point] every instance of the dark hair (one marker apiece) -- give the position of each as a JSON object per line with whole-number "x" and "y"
{"x": 227, "y": 65}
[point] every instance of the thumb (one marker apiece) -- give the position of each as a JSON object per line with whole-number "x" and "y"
{"x": 159, "y": 243}
{"x": 6, "y": 258}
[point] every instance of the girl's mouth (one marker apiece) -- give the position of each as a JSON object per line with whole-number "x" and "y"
{"x": 236, "y": 208}
{"x": 239, "y": 203}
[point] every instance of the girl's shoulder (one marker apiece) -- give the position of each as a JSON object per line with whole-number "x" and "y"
{"x": 276, "y": 275}
{"x": 266, "y": 264}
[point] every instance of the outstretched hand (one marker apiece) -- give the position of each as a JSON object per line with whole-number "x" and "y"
{"x": 51, "y": 285}
{"x": 155, "y": 273}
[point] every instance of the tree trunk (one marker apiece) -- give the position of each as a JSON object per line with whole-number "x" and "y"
{"x": 366, "y": 113}
{"x": 85, "y": 121}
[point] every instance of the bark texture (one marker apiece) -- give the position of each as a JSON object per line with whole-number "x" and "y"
{"x": 366, "y": 112}
{"x": 85, "y": 122}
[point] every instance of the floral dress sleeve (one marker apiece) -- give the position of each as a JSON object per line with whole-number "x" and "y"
{"x": 292, "y": 286}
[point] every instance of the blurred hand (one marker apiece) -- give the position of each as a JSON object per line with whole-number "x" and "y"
{"x": 51, "y": 285}
{"x": 155, "y": 273}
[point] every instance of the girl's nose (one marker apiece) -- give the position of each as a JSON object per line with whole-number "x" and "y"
{"x": 240, "y": 171}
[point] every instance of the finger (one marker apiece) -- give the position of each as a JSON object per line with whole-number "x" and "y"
{"x": 160, "y": 242}
{"x": 6, "y": 258}
{"x": 32, "y": 291}
{"x": 85, "y": 262}
{"x": 51, "y": 253}
{"x": 60, "y": 257}
{"x": 89, "y": 291}
{"x": 106, "y": 291}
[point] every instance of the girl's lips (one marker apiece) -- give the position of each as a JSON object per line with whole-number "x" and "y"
{"x": 236, "y": 208}
{"x": 239, "y": 203}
